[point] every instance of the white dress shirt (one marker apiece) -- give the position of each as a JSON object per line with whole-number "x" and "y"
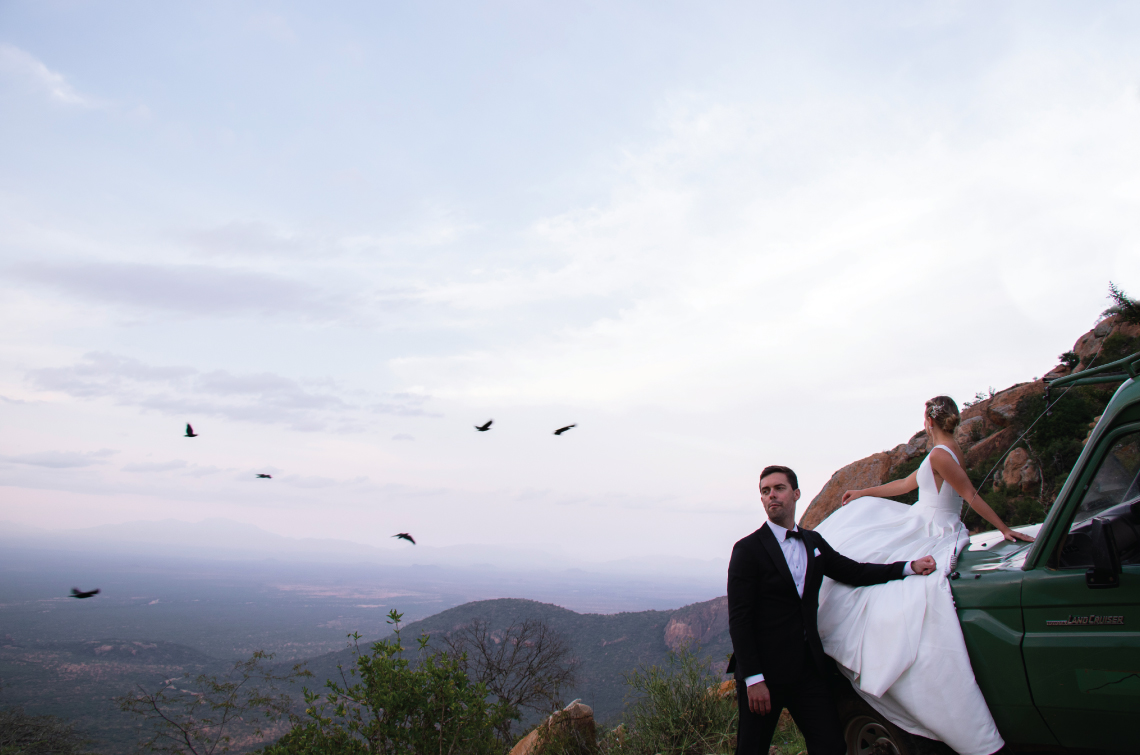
{"x": 795, "y": 554}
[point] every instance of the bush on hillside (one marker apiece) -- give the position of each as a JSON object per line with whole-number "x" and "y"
{"x": 387, "y": 704}
{"x": 674, "y": 711}
{"x": 1123, "y": 305}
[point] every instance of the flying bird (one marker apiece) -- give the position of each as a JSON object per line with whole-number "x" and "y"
{"x": 406, "y": 536}
{"x": 484, "y": 428}
{"x": 264, "y": 476}
{"x": 77, "y": 593}
{"x": 561, "y": 430}
{"x": 190, "y": 431}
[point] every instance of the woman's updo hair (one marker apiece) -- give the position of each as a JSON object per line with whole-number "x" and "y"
{"x": 943, "y": 412}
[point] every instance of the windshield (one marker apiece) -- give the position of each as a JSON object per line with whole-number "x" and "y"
{"x": 1117, "y": 480}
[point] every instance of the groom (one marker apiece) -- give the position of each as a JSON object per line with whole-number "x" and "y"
{"x": 773, "y": 594}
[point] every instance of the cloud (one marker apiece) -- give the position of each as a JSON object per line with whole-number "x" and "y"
{"x": 26, "y": 67}
{"x": 263, "y": 397}
{"x": 402, "y": 436}
{"x": 184, "y": 289}
{"x": 61, "y": 459}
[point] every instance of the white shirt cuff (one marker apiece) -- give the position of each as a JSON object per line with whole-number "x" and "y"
{"x": 754, "y": 679}
{"x": 907, "y": 571}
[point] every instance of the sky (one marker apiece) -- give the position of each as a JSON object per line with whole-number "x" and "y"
{"x": 715, "y": 236}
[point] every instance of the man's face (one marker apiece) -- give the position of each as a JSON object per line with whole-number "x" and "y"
{"x": 778, "y": 497}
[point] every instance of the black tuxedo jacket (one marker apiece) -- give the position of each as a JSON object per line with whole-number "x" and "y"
{"x": 769, "y": 622}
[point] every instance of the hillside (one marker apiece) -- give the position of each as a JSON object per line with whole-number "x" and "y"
{"x": 77, "y": 680}
{"x": 1027, "y": 472}
{"x": 606, "y": 646}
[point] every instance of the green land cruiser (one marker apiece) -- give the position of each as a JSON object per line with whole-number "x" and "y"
{"x": 1053, "y": 627}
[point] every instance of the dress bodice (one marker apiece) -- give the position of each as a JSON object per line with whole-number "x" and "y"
{"x": 943, "y": 506}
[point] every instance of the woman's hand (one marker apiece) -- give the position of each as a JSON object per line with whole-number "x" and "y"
{"x": 850, "y": 496}
{"x": 1013, "y": 536}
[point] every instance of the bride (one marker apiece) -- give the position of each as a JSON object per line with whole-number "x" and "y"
{"x": 900, "y": 643}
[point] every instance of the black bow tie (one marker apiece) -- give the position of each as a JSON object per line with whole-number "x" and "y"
{"x": 793, "y": 534}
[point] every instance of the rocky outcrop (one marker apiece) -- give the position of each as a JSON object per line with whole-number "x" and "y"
{"x": 1020, "y": 471}
{"x": 697, "y": 624}
{"x": 575, "y": 720}
{"x": 985, "y": 431}
{"x": 987, "y": 447}
{"x": 865, "y": 473}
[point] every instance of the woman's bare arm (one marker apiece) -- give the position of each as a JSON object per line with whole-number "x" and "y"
{"x": 893, "y": 488}
{"x": 953, "y": 474}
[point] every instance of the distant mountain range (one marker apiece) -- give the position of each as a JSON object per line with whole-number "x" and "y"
{"x": 232, "y": 540}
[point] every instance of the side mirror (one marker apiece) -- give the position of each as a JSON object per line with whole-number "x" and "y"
{"x": 1106, "y": 569}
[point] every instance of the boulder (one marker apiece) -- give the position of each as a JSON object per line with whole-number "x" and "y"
{"x": 1088, "y": 346}
{"x": 696, "y": 624}
{"x": 1019, "y": 471}
{"x": 724, "y": 690}
{"x": 994, "y": 444}
{"x": 865, "y": 473}
{"x": 971, "y": 430}
{"x": 1003, "y": 406}
{"x": 576, "y": 719}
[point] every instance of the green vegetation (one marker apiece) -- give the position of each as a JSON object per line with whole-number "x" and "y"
{"x": 387, "y": 704}
{"x": 1123, "y": 305}
{"x": 674, "y": 710}
{"x": 23, "y": 734}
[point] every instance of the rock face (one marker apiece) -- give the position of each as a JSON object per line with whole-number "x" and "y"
{"x": 1019, "y": 471}
{"x": 697, "y": 624}
{"x": 865, "y": 473}
{"x": 983, "y": 432}
{"x": 576, "y": 719}
{"x": 989, "y": 446}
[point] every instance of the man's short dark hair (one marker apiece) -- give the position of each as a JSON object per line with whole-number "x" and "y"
{"x": 786, "y": 471}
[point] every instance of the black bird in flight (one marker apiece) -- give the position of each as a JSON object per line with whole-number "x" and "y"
{"x": 406, "y": 536}
{"x": 561, "y": 430}
{"x": 77, "y": 593}
{"x": 484, "y": 428}
{"x": 264, "y": 476}
{"x": 190, "y": 431}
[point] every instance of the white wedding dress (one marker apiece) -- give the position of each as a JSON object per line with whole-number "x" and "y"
{"x": 900, "y": 643}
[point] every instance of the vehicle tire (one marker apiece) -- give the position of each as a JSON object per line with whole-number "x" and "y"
{"x": 871, "y": 734}
{"x": 868, "y": 732}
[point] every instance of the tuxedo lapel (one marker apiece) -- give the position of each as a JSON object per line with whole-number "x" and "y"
{"x": 810, "y": 548}
{"x": 768, "y": 538}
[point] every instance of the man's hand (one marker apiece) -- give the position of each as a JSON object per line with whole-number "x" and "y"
{"x": 759, "y": 699}
{"x": 924, "y": 565}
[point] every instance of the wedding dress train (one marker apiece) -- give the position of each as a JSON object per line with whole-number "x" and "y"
{"x": 900, "y": 643}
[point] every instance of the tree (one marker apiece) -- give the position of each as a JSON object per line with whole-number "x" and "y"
{"x": 201, "y": 717}
{"x": 1123, "y": 305}
{"x": 385, "y": 704}
{"x": 525, "y": 666}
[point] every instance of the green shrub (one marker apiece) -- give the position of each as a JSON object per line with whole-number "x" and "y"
{"x": 1123, "y": 305}
{"x": 674, "y": 712}
{"x": 386, "y": 704}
